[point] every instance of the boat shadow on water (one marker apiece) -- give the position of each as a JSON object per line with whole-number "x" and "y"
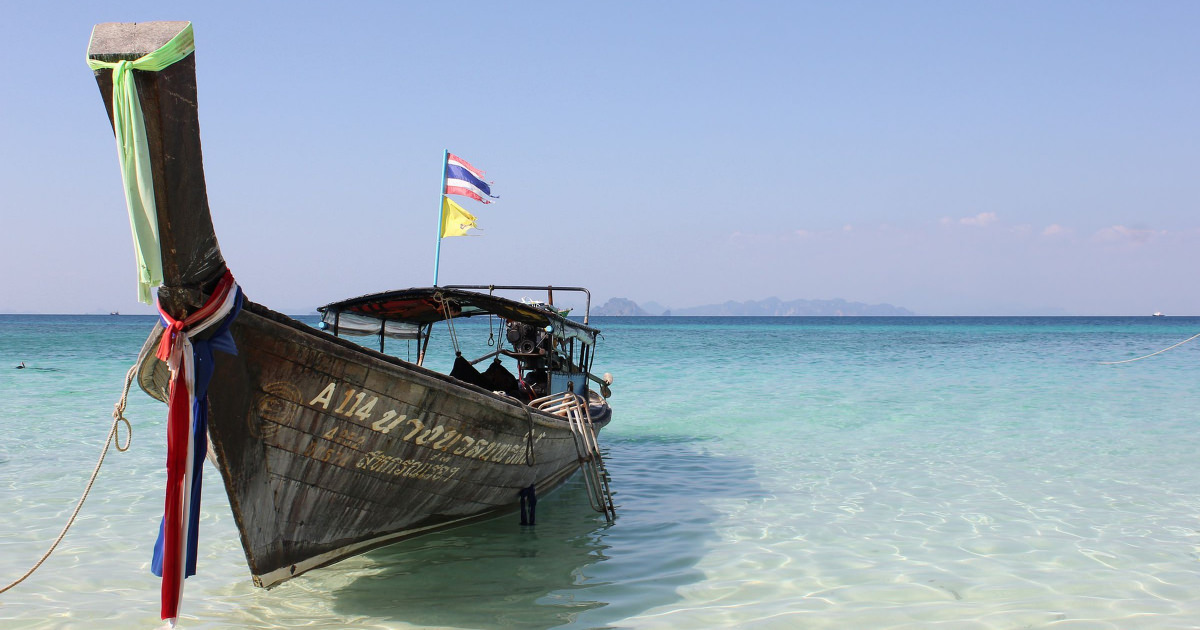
{"x": 572, "y": 567}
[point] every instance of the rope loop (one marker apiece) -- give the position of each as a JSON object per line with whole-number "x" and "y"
{"x": 118, "y": 414}
{"x": 118, "y": 417}
{"x": 116, "y": 436}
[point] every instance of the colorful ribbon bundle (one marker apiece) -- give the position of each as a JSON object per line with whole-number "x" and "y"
{"x": 191, "y": 364}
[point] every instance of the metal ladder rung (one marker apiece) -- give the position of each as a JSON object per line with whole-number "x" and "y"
{"x": 579, "y": 418}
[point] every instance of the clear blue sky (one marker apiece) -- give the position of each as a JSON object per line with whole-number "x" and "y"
{"x": 955, "y": 158}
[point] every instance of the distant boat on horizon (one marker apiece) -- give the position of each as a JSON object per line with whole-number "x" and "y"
{"x": 1158, "y": 314}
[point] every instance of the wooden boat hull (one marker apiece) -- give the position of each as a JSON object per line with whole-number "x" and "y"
{"x": 328, "y": 449}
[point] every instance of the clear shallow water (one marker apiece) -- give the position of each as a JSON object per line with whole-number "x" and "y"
{"x": 772, "y": 473}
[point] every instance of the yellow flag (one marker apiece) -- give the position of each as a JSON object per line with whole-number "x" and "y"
{"x": 455, "y": 220}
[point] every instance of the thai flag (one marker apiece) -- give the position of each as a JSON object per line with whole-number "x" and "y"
{"x": 191, "y": 364}
{"x": 466, "y": 180}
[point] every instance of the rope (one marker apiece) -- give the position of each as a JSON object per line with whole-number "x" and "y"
{"x": 118, "y": 417}
{"x": 529, "y": 457}
{"x": 441, "y": 300}
{"x": 1152, "y": 353}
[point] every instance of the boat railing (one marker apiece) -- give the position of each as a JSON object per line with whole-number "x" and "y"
{"x": 574, "y": 409}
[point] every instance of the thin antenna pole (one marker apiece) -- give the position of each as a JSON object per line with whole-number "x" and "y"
{"x": 437, "y": 256}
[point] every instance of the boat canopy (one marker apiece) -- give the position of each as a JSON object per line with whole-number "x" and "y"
{"x": 401, "y": 314}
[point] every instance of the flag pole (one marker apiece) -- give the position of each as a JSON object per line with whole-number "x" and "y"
{"x": 437, "y": 256}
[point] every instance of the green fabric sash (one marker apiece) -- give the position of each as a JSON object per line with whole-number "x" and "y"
{"x": 133, "y": 153}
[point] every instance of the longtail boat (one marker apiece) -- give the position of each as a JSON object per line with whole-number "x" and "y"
{"x": 328, "y": 447}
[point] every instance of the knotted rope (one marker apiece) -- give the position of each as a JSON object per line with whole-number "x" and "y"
{"x": 118, "y": 416}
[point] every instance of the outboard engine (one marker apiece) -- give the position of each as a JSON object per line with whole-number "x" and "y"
{"x": 525, "y": 338}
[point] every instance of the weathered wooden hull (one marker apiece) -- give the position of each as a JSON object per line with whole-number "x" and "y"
{"x": 328, "y": 449}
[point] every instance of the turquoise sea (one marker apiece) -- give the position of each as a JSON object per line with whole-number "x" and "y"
{"x": 771, "y": 473}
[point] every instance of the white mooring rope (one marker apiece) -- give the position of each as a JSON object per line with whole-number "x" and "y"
{"x": 1152, "y": 353}
{"x": 118, "y": 418}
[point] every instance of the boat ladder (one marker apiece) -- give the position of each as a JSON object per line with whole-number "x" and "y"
{"x": 574, "y": 408}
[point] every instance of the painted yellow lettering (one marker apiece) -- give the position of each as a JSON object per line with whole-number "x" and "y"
{"x": 369, "y": 459}
{"x": 324, "y": 397}
{"x": 480, "y": 445}
{"x": 416, "y": 429}
{"x": 468, "y": 442}
{"x": 395, "y": 423}
{"x": 430, "y": 434}
{"x": 502, "y": 453}
{"x": 379, "y": 424}
{"x": 364, "y": 413}
{"x": 358, "y": 398}
{"x": 487, "y": 452}
{"x": 345, "y": 399}
{"x": 445, "y": 442}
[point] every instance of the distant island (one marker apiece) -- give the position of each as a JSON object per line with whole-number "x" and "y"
{"x": 770, "y": 307}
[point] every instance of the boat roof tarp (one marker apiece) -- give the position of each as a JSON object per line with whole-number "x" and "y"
{"x": 426, "y": 305}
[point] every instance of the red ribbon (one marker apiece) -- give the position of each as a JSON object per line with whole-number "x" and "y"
{"x": 179, "y": 421}
{"x": 174, "y": 327}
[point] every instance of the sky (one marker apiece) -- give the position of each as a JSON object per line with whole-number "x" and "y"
{"x": 952, "y": 158}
